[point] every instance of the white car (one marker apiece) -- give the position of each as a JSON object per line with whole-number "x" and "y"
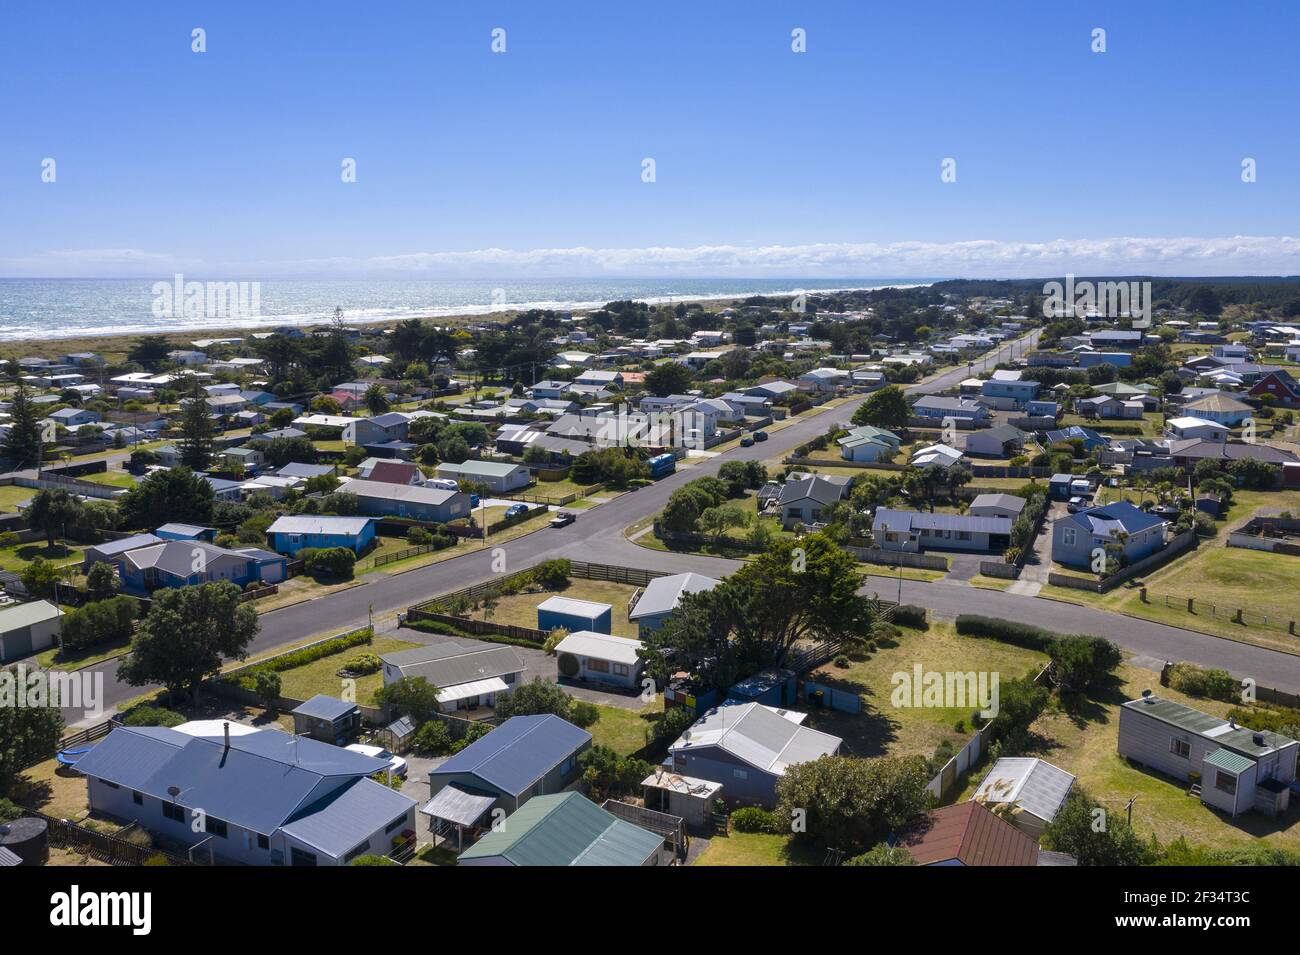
{"x": 444, "y": 484}
{"x": 396, "y": 765}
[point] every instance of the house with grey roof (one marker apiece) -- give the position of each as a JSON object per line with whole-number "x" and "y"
{"x": 384, "y": 499}
{"x": 918, "y": 531}
{"x": 524, "y": 757}
{"x": 261, "y": 798}
{"x": 466, "y": 675}
{"x": 600, "y": 658}
{"x": 1002, "y": 441}
{"x": 802, "y": 501}
{"x": 182, "y": 563}
{"x": 1136, "y": 533}
{"x": 500, "y": 477}
{"x": 293, "y": 532}
{"x": 567, "y": 829}
{"x": 660, "y": 598}
{"x": 1032, "y": 790}
{"x": 1233, "y": 769}
{"x": 109, "y": 552}
{"x": 996, "y": 505}
{"x": 747, "y": 748}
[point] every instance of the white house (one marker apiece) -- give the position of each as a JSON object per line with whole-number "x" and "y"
{"x": 600, "y": 657}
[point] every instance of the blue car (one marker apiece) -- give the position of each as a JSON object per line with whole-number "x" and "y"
{"x": 473, "y": 500}
{"x": 516, "y": 509}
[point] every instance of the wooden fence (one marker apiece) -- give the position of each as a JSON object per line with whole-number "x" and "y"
{"x": 1183, "y": 542}
{"x": 114, "y": 850}
{"x": 479, "y": 627}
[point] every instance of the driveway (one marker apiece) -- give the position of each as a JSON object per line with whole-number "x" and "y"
{"x": 1033, "y": 576}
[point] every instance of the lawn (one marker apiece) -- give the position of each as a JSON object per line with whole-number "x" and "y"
{"x": 111, "y": 478}
{"x": 884, "y": 729}
{"x": 11, "y": 496}
{"x": 321, "y": 676}
{"x": 18, "y": 557}
{"x": 520, "y": 610}
{"x": 753, "y": 848}
{"x": 624, "y": 730}
{"x": 1086, "y": 744}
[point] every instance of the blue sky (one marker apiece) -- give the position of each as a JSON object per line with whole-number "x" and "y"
{"x": 768, "y": 162}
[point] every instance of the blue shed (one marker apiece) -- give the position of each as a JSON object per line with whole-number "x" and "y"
{"x": 574, "y": 615}
{"x": 186, "y": 532}
{"x": 290, "y": 534}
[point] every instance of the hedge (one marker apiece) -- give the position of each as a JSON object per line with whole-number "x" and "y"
{"x": 1077, "y": 660}
{"x": 298, "y": 658}
{"x": 1008, "y": 631}
{"x": 910, "y": 615}
{"x": 446, "y": 629}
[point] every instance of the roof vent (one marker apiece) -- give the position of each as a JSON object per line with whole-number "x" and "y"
{"x": 1146, "y": 696}
{"x": 1259, "y": 739}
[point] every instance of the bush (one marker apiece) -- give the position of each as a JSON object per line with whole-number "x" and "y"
{"x": 910, "y": 615}
{"x": 1211, "y": 684}
{"x": 472, "y": 732}
{"x": 432, "y": 739}
{"x": 266, "y": 684}
{"x": 418, "y": 536}
{"x": 298, "y": 658}
{"x": 552, "y": 574}
{"x": 754, "y": 819}
{"x": 333, "y": 562}
{"x": 583, "y": 714}
{"x": 99, "y": 623}
{"x": 145, "y": 715}
{"x": 364, "y": 663}
{"x": 369, "y": 860}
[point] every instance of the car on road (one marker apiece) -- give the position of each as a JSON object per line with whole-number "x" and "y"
{"x": 1076, "y": 504}
{"x": 563, "y": 518}
{"x": 514, "y": 510}
{"x": 747, "y": 441}
{"x": 396, "y": 765}
{"x": 760, "y": 435}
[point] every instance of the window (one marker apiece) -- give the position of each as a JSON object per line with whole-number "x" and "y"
{"x": 300, "y": 857}
{"x": 358, "y": 851}
{"x": 137, "y": 799}
{"x": 395, "y": 824}
{"x": 173, "y": 812}
{"x": 566, "y": 767}
{"x": 1225, "y": 783}
{"x": 740, "y": 774}
{"x": 1067, "y": 536}
{"x": 263, "y": 842}
{"x": 621, "y": 669}
{"x": 1180, "y": 747}
{"x": 598, "y": 666}
{"x": 215, "y": 826}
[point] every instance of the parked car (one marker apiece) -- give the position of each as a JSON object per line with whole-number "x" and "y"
{"x": 473, "y": 500}
{"x": 1076, "y": 504}
{"x": 396, "y": 765}
{"x": 760, "y": 435}
{"x": 445, "y": 484}
{"x": 747, "y": 441}
{"x": 514, "y": 510}
{"x": 563, "y": 518}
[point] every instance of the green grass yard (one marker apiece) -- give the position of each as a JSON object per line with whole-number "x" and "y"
{"x": 757, "y": 849}
{"x": 321, "y": 676}
{"x": 520, "y": 610}
{"x": 623, "y": 730}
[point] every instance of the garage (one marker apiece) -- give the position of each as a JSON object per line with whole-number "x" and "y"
{"x": 28, "y": 628}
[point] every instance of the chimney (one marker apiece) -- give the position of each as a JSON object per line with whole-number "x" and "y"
{"x": 226, "y": 728}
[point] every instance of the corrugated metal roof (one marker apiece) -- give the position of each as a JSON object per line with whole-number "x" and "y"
{"x": 24, "y": 615}
{"x": 337, "y": 823}
{"x": 1229, "y": 761}
{"x": 519, "y": 752}
{"x": 458, "y": 805}
{"x": 1033, "y": 785}
{"x": 318, "y": 524}
{"x": 450, "y": 664}
{"x": 566, "y": 829}
{"x": 663, "y": 594}
{"x": 972, "y": 835}
{"x": 601, "y": 646}
{"x": 759, "y": 735}
{"x": 463, "y": 691}
{"x": 587, "y": 609}
{"x": 923, "y": 520}
{"x": 1210, "y": 727}
{"x": 9, "y": 858}
{"x": 324, "y": 707}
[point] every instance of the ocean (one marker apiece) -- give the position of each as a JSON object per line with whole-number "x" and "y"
{"x": 70, "y": 308}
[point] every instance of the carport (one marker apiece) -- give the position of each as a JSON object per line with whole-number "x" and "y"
{"x": 456, "y": 808}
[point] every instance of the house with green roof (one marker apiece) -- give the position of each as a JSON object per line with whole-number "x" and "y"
{"x": 1233, "y": 769}
{"x": 497, "y": 476}
{"x": 566, "y": 829}
{"x": 868, "y": 443}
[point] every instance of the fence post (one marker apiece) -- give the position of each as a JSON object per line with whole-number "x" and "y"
{"x": 1142, "y": 595}
{"x": 1191, "y": 605}
{"x": 1236, "y": 618}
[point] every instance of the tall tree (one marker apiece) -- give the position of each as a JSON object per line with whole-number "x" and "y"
{"x": 886, "y": 408}
{"x": 376, "y": 399}
{"x": 28, "y": 735}
{"x": 22, "y": 443}
{"x": 176, "y": 494}
{"x": 149, "y": 351}
{"x": 187, "y": 634}
{"x": 196, "y": 430}
{"x": 53, "y": 511}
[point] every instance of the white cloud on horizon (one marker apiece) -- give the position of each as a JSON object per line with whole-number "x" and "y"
{"x": 981, "y": 258}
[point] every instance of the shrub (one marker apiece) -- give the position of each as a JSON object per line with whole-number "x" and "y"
{"x": 1211, "y": 684}
{"x": 754, "y": 819}
{"x": 418, "y": 536}
{"x": 333, "y": 562}
{"x": 145, "y": 715}
{"x": 298, "y": 658}
{"x": 266, "y": 684}
{"x": 552, "y": 574}
{"x": 910, "y": 615}
{"x": 432, "y": 739}
{"x": 369, "y": 860}
{"x": 98, "y": 623}
{"x": 841, "y": 661}
{"x": 364, "y": 663}
{"x": 472, "y": 732}
{"x": 583, "y": 714}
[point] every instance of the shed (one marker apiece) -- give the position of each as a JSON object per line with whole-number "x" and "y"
{"x": 1034, "y": 789}
{"x": 397, "y": 735}
{"x": 601, "y": 657}
{"x": 574, "y": 615}
{"x": 28, "y": 628}
{"x": 327, "y": 719}
{"x": 685, "y": 796}
{"x": 186, "y": 532}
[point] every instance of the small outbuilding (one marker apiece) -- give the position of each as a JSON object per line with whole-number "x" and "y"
{"x": 600, "y": 657}
{"x": 29, "y": 628}
{"x": 327, "y": 719}
{"x": 1033, "y": 789}
{"x": 574, "y": 615}
{"x": 691, "y": 799}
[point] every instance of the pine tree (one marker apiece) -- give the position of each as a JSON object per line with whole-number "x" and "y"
{"x": 22, "y": 444}
{"x": 196, "y": 428}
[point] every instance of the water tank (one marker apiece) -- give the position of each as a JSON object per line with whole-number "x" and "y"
{"x": 28, "y": 839}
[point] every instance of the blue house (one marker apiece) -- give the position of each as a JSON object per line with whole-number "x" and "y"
{"x": 183, "y": 563}
{"x": 290, "y": 534}
{"x": 1042, "y": 409}
{"x": 1117, "y": 358}
{"x": 1091, "y": 439}
{"x": 1076, "y": 537}
{"x": 573, "y": 615}
{"x": 1006, "y": 388}
{"x": 662, "y": 595}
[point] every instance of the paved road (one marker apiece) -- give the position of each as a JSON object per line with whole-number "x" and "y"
{"x": 597, "y": 536}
